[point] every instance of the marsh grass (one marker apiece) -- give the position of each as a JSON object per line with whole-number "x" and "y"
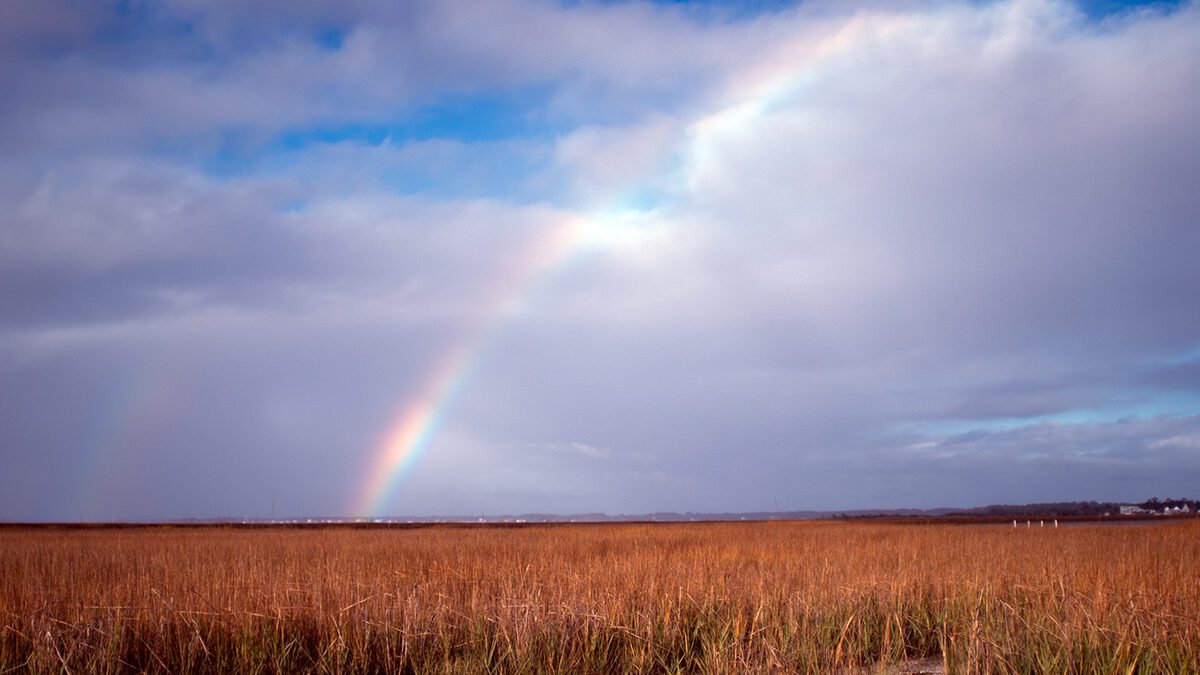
{"x": 808, "y": 597}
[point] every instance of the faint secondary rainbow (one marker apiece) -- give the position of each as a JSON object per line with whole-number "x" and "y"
{"x": 419, "y": 421}
{"x": 136, "y": 407}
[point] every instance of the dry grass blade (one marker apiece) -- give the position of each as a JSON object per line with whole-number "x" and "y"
{"x": 814, "y": 597}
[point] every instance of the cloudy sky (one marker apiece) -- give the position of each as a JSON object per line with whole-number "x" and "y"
{"x": 363, "y": 259}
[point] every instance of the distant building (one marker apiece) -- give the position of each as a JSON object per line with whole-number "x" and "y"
{"x": 1131, "y": 510}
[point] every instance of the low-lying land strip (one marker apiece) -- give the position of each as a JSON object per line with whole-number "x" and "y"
{"x": 813, "y": 597}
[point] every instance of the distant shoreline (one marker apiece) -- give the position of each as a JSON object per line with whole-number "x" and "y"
{"x": 1044, "y": 520}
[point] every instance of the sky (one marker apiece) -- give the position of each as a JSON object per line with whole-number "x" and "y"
{"x": 368, "y": 259}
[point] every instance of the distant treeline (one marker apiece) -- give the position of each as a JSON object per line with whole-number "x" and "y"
{"x": 1156, "y": 504}
{"x": 1071, "y": 508}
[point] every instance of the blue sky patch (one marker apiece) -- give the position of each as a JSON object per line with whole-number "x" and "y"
{"x": 1097, "y": 9}
{"x": 465, "y": 118}
{"x": 330, "y": 38}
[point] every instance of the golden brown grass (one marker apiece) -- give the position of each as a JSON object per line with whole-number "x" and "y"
{"x": 812, "y": 597}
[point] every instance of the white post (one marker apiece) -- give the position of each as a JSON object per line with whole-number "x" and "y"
{"x": 1056, "y": 522}
{"x": 1014, "y": 523}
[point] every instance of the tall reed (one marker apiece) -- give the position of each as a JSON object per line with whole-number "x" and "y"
{"x": 808, "y": 597}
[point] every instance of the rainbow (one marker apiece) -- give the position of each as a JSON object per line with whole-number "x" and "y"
{"x": 419, "y": 421}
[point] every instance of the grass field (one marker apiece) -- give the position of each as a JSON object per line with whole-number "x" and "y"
{"x": 811, "y": 597}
